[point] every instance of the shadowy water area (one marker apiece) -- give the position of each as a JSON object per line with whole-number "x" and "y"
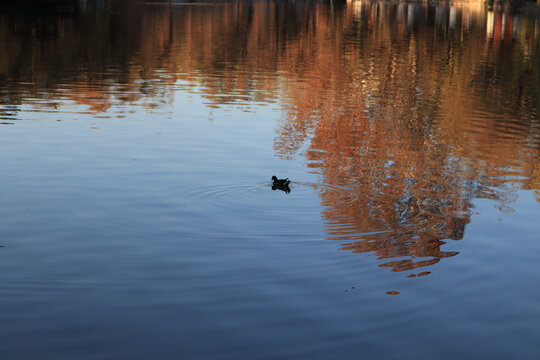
{"x": 138, "y": 218}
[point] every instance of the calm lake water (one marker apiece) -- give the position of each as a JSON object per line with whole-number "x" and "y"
{"x": 137, "y": 216}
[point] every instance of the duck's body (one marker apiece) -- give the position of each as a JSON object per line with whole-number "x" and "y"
{"x": 280, "y": 182}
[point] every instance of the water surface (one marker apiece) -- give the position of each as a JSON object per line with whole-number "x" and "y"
{"x": 137, "y": 216}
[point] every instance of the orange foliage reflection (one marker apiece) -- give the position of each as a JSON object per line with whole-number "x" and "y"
{"x": 406, "y": 134}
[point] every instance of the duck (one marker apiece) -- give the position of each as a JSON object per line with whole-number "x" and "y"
{"x": 280, "y": 182}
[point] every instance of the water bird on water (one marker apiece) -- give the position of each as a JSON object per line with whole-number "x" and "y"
{"x": 280, "y": 182}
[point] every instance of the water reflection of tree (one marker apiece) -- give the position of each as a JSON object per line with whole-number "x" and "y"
{"x": 85, "y": 55}
{"x": 408, "y": 131}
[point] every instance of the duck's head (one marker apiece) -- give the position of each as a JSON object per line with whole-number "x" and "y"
{"x": 274, "y": 178}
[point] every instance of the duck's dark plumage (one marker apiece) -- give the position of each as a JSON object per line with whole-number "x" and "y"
{"x": 280, "y": 182}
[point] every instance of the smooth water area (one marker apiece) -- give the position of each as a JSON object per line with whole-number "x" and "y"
{"x": 137, "y": 216}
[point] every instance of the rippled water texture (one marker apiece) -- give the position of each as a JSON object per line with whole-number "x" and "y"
{"x": 137, "y": 214}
